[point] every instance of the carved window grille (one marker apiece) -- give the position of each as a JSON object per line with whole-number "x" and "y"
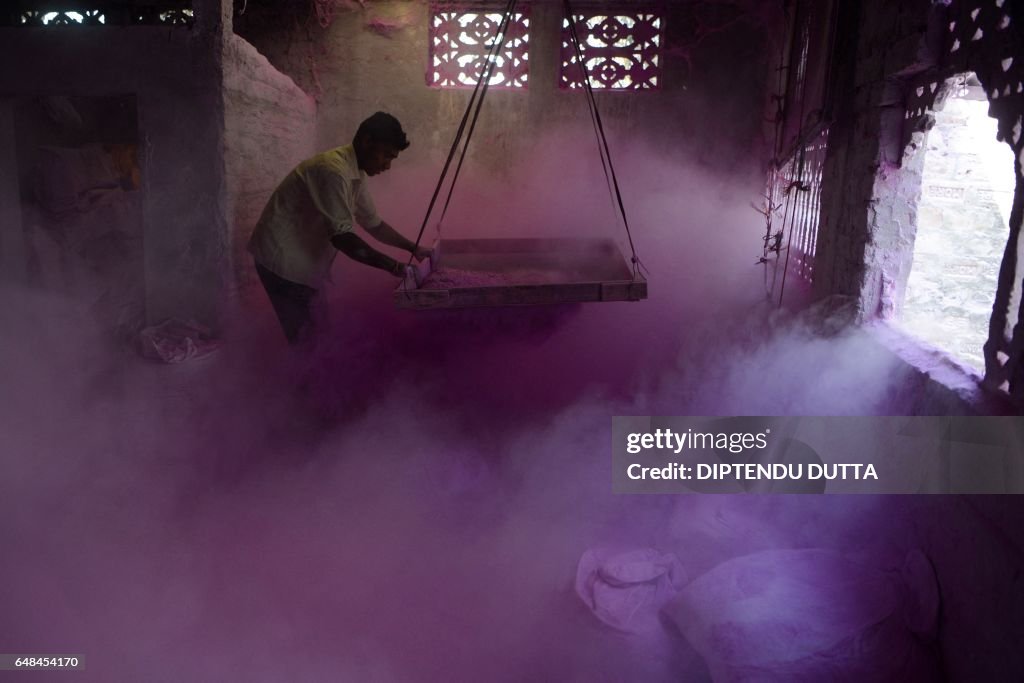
{"x": 621, "y": 51}
{"x": 64, "y": 18}
{"x": 987, "y": 28}
{"x": 460, "y": 42}
{"x": 58, "y": 13}
{"x": 174, "y": 17}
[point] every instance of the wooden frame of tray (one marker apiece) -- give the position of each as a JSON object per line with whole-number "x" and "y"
{"x": 606, "y": 275}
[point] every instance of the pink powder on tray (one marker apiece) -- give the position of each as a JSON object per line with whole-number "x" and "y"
{"x": 449, "y": 278}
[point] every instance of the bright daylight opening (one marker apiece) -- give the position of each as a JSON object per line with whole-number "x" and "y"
{"x": 962, "y": 226}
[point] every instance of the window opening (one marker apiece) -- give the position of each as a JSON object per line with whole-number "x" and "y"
{"x": 622, "y": 52}
{"x": 460, "y": 41}
{"x": 962, "y": 225}
{"x": 48, "y": 13}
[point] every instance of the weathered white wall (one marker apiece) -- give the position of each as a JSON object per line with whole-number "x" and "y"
{"x": 269, "y": 126}
{"x": 868, "y": 199}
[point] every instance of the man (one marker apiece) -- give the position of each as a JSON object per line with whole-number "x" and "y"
{"x": 311, "y": 216}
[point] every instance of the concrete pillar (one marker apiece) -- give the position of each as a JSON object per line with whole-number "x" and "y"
{"x": 214, "y": 16}
{"x": 12, "y": 237}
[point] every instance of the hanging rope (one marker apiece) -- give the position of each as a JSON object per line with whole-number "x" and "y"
{"x": 482, "y": 83}
{"x": 477, "y": 99}
{"x": 499, "y": 40}
{"x": 591, "y": 107}
{"x": 606, "y": 156}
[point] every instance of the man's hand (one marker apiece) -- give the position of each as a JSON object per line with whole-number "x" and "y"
{"x": 385, "y": 234}
{"x": 409, "y": 271}
{"x": 421, "y": 253}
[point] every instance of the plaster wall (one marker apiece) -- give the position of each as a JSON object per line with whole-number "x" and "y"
{"x": 269, "y": 126}
{"x": 708, "y": 111}
{"x": 175, "y": 75}
{"x": 865, "y": 190}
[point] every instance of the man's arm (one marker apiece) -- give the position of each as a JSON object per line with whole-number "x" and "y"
{"x": 385, "y": 234}
{"x": 353, "y": 246}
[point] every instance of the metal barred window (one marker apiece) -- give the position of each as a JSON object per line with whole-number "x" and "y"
{"x": 807, "y": 204}
{"x": 621, "y": 51}
{"x": 795, "y": 193}
{"x": 459, "y": 44}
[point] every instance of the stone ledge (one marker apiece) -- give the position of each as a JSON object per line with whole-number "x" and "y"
{"x": 945, "y": 379}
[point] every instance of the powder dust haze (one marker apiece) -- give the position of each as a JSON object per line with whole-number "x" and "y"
{"x": 410, "y": 502}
